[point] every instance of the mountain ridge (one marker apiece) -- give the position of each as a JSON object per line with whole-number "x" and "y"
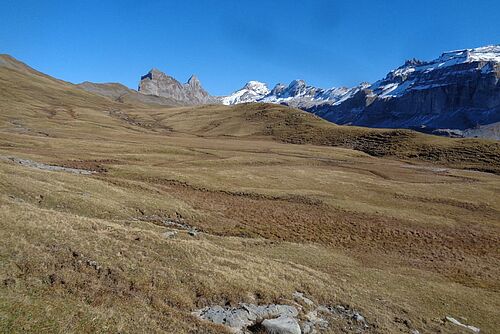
{"x": 460, "y": 90}
{"x": 456, "y": 94}
{"x": 157, "y": 83}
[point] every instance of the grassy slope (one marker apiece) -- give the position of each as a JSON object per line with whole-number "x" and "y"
{"x": 391, "y": 238}
{"x": 294, "y": 126}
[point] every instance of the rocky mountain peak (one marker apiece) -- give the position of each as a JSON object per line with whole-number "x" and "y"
{"x": 297, "y": 87}
{"x": 252, "y": 91}
{"x": 278, "y": 89}
{"x": 194, "y": 81}
{"x": 413, "y": 62}
{"x": 157, "y": 83}
{"x": 153, "y": 73}
{"x": 257, "y": 86}
{"x": 297, "y": 83}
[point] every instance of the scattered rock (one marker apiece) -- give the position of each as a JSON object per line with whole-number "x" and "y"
{"x": 314, "y": 321}
{"x": 94, "y": 264}
{"x": 193, "y": 233}
{"x": 458, "y": 323}
{"x": 319, "y": 319}
{"x": 282, "y": 325}
{"x": 299, "y": 297}
{"x": 346, "y": 312}
{"x": 308, "y": 328}
{"x": 169, "y": 234}
{"x": 358, "y": 317}
{"x": 284, "y": 319}
{"x": 179, "y": 224}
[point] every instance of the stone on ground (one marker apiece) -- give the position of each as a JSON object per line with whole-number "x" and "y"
{"x": 282, "y": 325}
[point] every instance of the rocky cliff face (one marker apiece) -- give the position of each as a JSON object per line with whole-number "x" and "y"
{"x": 459, "y": 90}
{"x": 158, "y": 83}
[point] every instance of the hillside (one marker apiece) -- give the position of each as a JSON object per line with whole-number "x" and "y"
{"x": 120, "y": 93}
{"x": 291, "y": 125}
{"x": 128, "y": 217}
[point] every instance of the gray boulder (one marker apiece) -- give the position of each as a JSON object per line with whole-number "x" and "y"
{"x": 245, "y": 315}
{"x": 282, "y": 325}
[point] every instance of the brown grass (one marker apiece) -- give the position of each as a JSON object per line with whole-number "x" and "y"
{"x": 405, "y": 238}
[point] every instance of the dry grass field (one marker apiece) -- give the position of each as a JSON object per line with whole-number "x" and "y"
{"x": 401, "y": 226}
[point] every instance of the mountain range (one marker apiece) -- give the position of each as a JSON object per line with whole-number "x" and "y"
{"x": 456, "y": 94}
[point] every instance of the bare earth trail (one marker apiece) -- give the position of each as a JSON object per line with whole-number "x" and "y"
{"x": 281, "y": 200}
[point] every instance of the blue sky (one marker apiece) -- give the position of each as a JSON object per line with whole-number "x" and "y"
{"x": 226, "y": 43}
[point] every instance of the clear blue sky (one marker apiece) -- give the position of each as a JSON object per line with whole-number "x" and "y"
{"x": 226, "y": 43}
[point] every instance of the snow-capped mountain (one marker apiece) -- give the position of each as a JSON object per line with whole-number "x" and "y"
{"x": 415, "y": 74}
{"x": 301, "y": 95}
{"x": 253, "y": 91}
{"x": 296, "y": 94}
{"x": 459, "y": 90}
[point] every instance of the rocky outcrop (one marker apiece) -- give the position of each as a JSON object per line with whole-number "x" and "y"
{"x": 301, "y": 316}
{"x": 157, "y": 83}
{"x": 282, "y": 325}
{"x": 245, "y": 315}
